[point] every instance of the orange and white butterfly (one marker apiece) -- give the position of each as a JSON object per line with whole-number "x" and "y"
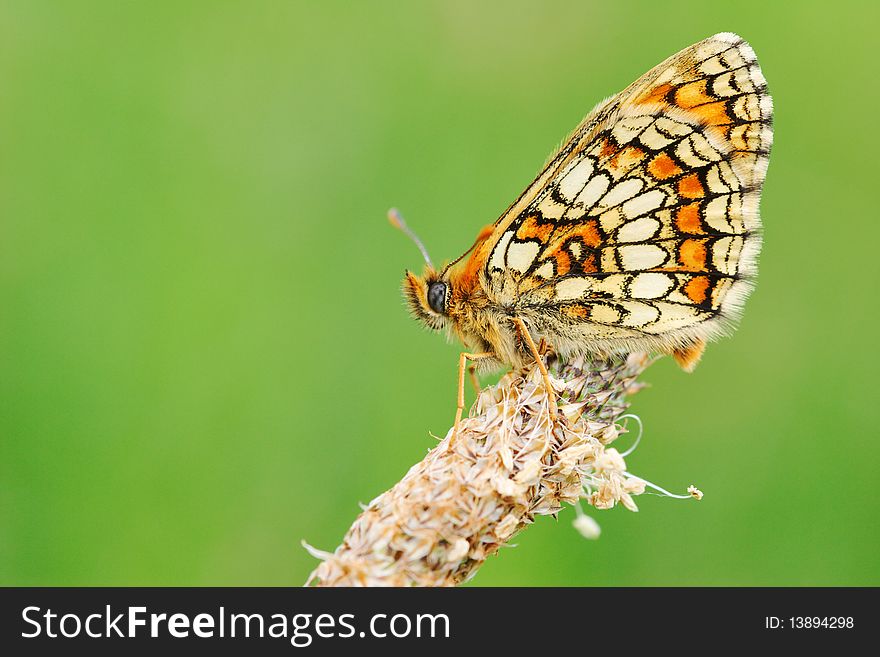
{"x": 640, "y": 233}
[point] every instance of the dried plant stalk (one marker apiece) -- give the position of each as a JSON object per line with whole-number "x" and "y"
{"x": 472, "y": 493}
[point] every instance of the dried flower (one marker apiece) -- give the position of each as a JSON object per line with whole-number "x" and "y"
{"x": 695, "y": 492}
{"x": 508, "y": 464}
{"x": 587, "y": 526}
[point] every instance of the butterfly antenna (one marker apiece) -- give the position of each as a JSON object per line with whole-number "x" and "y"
{"x": 397, "y": 221}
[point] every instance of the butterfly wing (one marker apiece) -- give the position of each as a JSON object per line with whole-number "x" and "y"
{"x": 643, "y": 231}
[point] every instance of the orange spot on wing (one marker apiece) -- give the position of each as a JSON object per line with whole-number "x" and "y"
{"x": 692, "y": 255}
{"x": 691, "y": 187}
{"x": 663, "y": 167}
{"x": 626, "y": 158}
{"x": 656, "y": 95}
{"x": 576, "y": 311}
{"x": 589, "y": 265}
{"x": 687, "y": 219}
{"x": 608, "y": 149}
{"x": 692, "y": 93}
{"x": 531, "y": 229}
{"x": 563, "y": 262}
{"x": 697, "y": 288}
{"x": 589, "y": 233}
{"x": 713, "y": 113}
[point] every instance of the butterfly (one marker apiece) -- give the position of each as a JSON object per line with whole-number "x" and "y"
{"x": 641, "y": 233}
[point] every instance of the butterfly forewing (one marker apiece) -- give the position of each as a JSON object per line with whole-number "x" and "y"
{"x": 645, "y": 223}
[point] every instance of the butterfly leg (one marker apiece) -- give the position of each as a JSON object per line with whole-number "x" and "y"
{"x": 462, "y": 367}
{"x": 524, "y": 331}
{"x": 475, "y": 382}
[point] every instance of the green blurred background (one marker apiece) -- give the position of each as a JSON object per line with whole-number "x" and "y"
{"x": 205, "y": 356}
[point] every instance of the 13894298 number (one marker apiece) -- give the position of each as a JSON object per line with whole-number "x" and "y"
{"x": 816, "y": 622}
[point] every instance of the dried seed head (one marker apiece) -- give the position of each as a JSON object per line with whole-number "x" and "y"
{"x": 586, "y": 526}
{"x": 695, "y": 492}
{"x": 509, "y": 463}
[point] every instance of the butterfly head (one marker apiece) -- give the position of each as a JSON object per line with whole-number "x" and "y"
{"x": 428, "y": 297}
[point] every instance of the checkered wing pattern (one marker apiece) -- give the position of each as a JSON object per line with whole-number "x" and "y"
{"x": 645, "y": 222}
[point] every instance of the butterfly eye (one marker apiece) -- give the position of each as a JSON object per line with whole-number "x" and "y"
{"x": 437, "y": 297}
